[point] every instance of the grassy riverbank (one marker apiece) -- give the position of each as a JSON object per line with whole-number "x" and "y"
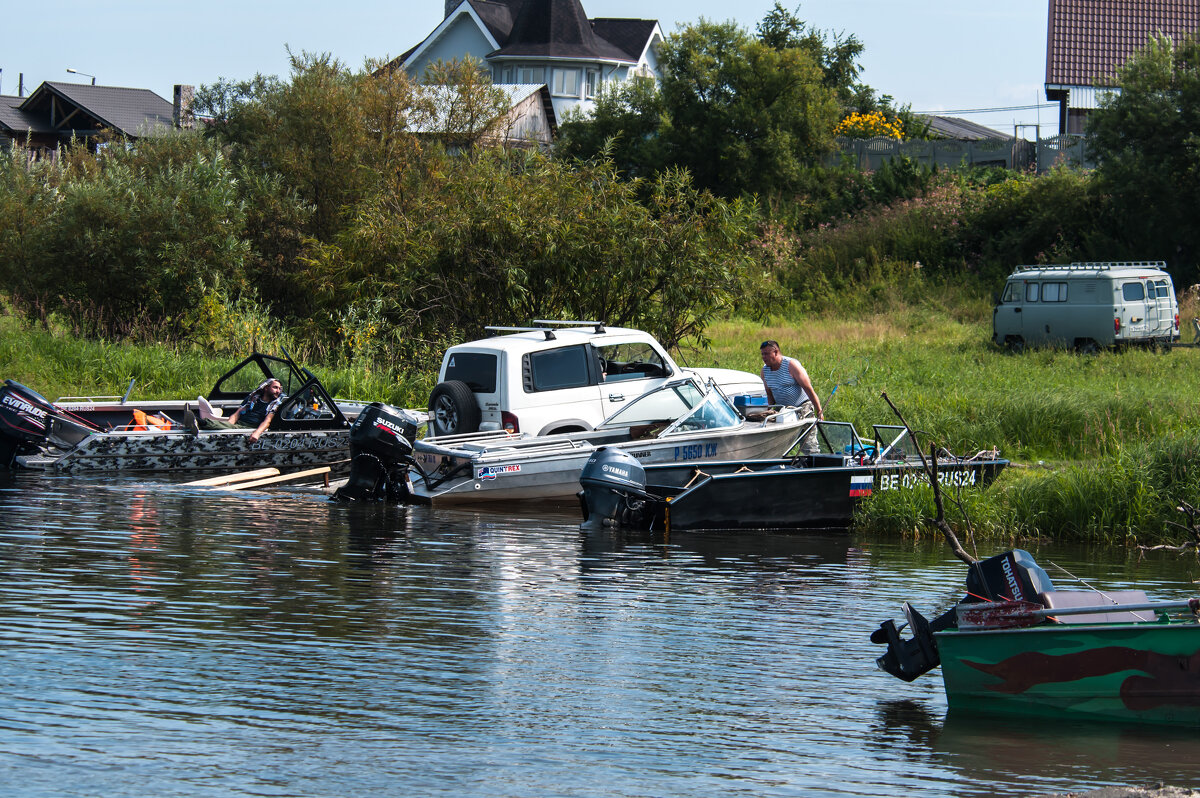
{"x": 1104, "y": 446}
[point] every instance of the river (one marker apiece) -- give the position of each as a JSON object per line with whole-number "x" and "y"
{"x": 161, "y": 640}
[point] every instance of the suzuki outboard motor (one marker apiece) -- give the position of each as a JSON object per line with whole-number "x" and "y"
{"x": 614, "y": 490}
{"x": 25, "y": 418}
{"x": 381, "y": 447}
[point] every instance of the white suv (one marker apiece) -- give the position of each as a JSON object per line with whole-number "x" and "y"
{"x": 561, "y": 377}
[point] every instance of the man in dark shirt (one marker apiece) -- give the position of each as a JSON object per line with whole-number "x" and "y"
{"x": 257, "y": 411}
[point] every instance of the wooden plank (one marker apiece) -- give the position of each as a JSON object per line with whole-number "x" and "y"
{"x": 312, "y": 472}
{"x": 227, "y": 478}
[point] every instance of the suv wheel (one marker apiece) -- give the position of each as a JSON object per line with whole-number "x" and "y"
{"x": 453, "y": 409}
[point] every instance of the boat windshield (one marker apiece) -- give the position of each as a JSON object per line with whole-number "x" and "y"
{"x": 664, "y": 406}
{"x": 713, "y": 412}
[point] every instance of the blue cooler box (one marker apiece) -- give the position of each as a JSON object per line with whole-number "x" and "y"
{"x": 745, "y": 401}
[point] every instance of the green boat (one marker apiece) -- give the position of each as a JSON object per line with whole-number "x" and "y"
{"x": 1017, "y": 646}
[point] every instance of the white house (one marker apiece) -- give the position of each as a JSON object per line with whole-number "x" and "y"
{"x": 549, "y": 42}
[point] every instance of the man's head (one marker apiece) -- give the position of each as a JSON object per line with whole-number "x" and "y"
{"x": 273, "y": 389}
{"x": 770, "y": 354}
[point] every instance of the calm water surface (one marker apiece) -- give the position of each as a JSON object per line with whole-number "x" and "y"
{"x": 159, "y": 640}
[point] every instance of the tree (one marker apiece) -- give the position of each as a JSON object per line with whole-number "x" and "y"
{"x": 1147, "y": 146}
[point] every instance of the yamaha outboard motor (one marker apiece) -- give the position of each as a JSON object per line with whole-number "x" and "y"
{"x": 25, "y": 418}
{"x": 614, "y": 490}
{"x": 381, "y": 447}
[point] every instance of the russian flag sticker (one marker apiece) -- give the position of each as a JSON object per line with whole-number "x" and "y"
{"x": 860, "y": 485}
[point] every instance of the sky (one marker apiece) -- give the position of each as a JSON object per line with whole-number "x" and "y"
{"x": 938, "y": 56}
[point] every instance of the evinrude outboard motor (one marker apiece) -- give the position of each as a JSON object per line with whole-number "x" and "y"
{"x": 25, "y": 417}
{"x": 614, "y": 490}
{"x": 1011, "y": 576}
{"x": 381, "y": 447}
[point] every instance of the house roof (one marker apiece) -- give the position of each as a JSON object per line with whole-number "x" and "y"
{"x": 128, "y": 111}
{"x": 629, "y": 35}
{"x": 1086, "y": 40}
{"x": 15, "y": 121}
{"x": 557, "y": 28}
{"x": 962, "y": 129}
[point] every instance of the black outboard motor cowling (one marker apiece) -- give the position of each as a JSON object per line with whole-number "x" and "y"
{"x": 614, "y": 490}
{"x": 25, "y": 418}
{"x": 381, "y": 447}
{"x": 1011, "y": 576}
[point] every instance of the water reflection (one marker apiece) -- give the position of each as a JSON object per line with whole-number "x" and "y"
{"x": 168, "y": 640}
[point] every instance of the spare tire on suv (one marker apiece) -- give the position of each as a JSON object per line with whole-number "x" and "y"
{"x": 453, "y": 409}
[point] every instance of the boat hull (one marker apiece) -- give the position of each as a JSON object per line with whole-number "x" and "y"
{"x": 778, "y": 495}
{"x": 540, "y": 472}
{"x": 208, "y": 451}
{"x": 1146, "y": 673}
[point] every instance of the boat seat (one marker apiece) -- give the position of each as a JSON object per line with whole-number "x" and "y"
{"x": 1091, "y": 598}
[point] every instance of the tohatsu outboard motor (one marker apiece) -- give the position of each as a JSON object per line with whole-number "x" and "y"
{"x": 614, "y": 490}
{"x": 25, "y": 419}
{"x": 381, "y": 447}
{"x": 1011, "y": 576}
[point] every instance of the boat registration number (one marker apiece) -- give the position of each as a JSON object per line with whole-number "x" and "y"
{"x": 696, "y": 451}
{"x": 907, "y": 479}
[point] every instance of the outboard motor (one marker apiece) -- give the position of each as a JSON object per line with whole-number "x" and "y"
{"x": 614, "y": 490}
{"x": 25, "y": 417}
{"x": 381, "y": 447}
{"x": 1011, "y": 576}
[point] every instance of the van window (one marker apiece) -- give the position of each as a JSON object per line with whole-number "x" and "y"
{"x": 1012, "y": 293}
{"x": 1054, "y": 292}
{"x": 1133, "y": 292}
{"x": 1161, "y": 288}
{"x": 1031, "y": 292}
{"x": 555, "y": 369}
{"x": 476, "y": 369}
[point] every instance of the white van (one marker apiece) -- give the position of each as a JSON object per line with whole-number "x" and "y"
{"x": 1087, "y": 306}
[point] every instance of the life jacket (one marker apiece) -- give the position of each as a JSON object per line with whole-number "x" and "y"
{"x": 142, "y": 422}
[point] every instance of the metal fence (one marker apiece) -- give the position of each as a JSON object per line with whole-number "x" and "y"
{"x": 1042, "y": 155}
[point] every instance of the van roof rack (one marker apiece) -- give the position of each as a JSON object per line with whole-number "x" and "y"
{"x": 549, "y": 333}
{"x": 1097, "y": 265}
{"x": 598, "y": 325}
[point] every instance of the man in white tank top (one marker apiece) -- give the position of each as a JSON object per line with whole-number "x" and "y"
{"x": 787, "y": 383}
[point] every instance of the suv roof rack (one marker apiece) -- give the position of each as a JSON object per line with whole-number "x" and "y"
{"x": 1098, "y": 265}
{"x": 549, "y": 333}
{"x": 598, "y": 325}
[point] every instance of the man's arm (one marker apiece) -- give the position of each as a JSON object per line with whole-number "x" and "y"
{"x": 770, "y": 396}
{"x": 254, "y": 436}
{"x": 801, "y": 376}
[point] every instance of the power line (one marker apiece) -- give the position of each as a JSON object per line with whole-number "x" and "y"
{"x": 988, "y": 110}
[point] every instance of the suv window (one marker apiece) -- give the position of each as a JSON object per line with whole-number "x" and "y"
{"x": 631, "y": 361}
{"x": 555, "y": 369}
{"x": 1133, "y": 292}
{"x": 476, "y": 369}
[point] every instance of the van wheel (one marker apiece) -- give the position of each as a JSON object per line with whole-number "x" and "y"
{"x": 453, "y": 409}
{"x": 1086, "y": 346}
{"x": 1015, "y": 344}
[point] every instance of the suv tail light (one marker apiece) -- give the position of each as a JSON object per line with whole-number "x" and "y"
{"x": 509, "y": 421}
{"x": 1176, "y": 321}
{"x": 1117, "y": 325}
